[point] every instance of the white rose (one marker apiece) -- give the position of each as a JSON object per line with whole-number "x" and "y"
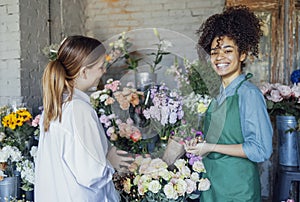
{"x": 198, "y": 167}
{"x": 195, "y": 176}
{"x": 169, "y": 191}
{"x": 180, "y": 187}
{"x": 165, "y": 174}
{"x": 154, "y": 186}
{"x": 103, "y": 97}
{"x": 185, "y": 171}
{"x": 191, "y": 186}
{"x": 180, "y": 163}
{"x": 204, "y": 184}
{"x": 95, "y": 95}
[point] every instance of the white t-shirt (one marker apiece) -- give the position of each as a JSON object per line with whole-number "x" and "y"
{"x": 71, "y": 163}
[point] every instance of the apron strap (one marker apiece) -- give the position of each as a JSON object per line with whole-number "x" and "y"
{"x": 248, "y": 76}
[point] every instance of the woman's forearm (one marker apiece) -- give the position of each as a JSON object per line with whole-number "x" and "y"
{"x": 228, "y": 149}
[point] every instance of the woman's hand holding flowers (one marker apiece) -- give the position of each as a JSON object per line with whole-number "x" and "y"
{"x": 119, "y": 159}
{"x": 193, "y": 146}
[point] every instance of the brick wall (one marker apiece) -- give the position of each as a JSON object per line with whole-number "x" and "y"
{"x": 25, "y": 29}
{"x": 106, "y": 18}
{"x": 10, "y": 80}
{"x": 177, "y": 20}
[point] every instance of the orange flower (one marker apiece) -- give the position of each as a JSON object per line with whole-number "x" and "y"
{"x": 136, "y": 136}
{"x": 3, "y": 166}
{"x": 107, "y": 58}
{"x": 134, "y": 99}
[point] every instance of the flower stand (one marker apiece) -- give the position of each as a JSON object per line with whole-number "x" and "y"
{"x": 287, "y": 140}
{"x": 8, "y": 189}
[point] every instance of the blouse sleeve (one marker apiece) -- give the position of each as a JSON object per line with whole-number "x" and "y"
{"x": 86, "y": 156}
{"x": 256, "y": 126}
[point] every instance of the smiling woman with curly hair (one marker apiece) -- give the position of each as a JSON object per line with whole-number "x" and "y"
{"x": 237, "y": 127}
{"x": 237, "y": 23}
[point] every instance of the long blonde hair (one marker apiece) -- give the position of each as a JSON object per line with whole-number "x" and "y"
{"x": 59, "y": 75}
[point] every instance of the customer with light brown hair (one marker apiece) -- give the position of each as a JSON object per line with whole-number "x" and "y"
{"x": 72, "y": 160}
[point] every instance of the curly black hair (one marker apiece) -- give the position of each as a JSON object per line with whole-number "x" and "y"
{"x": 238, "y": 23}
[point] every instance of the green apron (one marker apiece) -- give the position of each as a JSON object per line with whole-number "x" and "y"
{"x": 232, "y": 178}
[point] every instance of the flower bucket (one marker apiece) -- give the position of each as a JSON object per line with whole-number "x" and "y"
{"x": 143, "y": 80}
{"x": 8, "y": 189}
{"x": 287, "y": 141}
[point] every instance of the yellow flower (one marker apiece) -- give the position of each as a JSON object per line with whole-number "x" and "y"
{"x": 12, "y": 121}
{"x": 201, "y": 108}
{"x": 19, "y": 121}
{"x": 127, "y": 185}
{"x": 24, "y": 114}
{"x": 15, "y": 119}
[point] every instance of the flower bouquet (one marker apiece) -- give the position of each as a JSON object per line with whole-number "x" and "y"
{"x": 196, "y": 96}
{"x": 123, "y": 134}
{"x": 165, "y": 111}
{"x": 152, "y": 180}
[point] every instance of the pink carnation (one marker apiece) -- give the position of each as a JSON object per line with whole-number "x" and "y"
{"x": 113, "y": 86}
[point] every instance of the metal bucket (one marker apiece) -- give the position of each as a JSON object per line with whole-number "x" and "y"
{"x": 8, "y": 189}
{"x": 287, "y": 140}
{"x": 143, "y": 80}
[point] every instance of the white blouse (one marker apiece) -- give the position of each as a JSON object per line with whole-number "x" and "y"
{"x": 71, "y": 163}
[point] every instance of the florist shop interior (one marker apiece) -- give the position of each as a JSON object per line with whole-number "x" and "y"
{"x": 159, "y": 37}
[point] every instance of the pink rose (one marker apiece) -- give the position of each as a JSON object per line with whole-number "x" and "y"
{"x": 285, "y": 91}
{"x": 296, "y": 91}
{"x": 275, "y": 96}
{"x": 109, "y": 101}
{"x": 36, "y": 120}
